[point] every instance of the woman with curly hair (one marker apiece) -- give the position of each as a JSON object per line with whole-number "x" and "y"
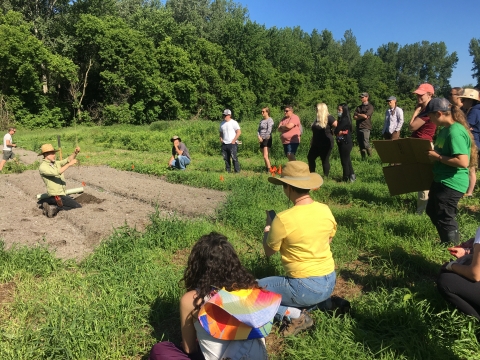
{"x": 321, "y": 144}
{"x": 454, "y": 152}
{"x": 213, "y": 263}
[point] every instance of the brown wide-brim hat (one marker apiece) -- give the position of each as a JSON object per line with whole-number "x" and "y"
{"x": 46, "y": 148}
{"x": 297, "y": 174}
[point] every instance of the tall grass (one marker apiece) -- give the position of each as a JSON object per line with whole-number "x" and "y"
{"x": 124, "y": 297}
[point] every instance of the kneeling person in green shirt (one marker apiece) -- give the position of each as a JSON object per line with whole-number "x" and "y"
{"x": 51, "y": 172}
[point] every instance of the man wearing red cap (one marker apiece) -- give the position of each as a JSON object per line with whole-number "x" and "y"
{"x": 422, "y": 128}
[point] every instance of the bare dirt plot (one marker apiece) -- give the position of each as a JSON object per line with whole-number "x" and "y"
{"x": 112, "y": 198}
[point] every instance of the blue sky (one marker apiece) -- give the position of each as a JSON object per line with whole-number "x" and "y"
{"x": 378, "y": 22}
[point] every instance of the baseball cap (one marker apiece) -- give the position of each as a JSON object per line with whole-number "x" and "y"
{"x": 392, "y": 98}
{"x": 175, "y": 137}
{"x": 436, "y": 104}
{"x": 470, "y": 94}
{"x": 227, "y": 112}
{"x": 363, "y": 94}
{"x": 424, "y": 88}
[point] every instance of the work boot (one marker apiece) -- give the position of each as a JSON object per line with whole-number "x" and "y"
{"x": 296, "y": 325}
{"x": 369, "y": 151}
{"x": 450, "y": 237}
{"x": 353, "y": 178}
{"x": 364, "y": 154}
{"x": 49, "y": 210}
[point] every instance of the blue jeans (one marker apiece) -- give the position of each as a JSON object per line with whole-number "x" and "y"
{"x": 305, "y": 293}
{"x": 229, "y": 151}
{"x": 290, "y": 148}
{"x": 181, "y": 162}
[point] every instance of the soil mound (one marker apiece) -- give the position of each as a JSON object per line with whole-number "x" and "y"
{"x": 112, "y": 198}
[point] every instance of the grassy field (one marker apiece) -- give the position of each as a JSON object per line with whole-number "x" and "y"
{"x": 124, "y": 297}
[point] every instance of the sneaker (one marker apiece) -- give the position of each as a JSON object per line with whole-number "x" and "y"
{"x": 339, "y": 306}
{"x": 293, "y": 327}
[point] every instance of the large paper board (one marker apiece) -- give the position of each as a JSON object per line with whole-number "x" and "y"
{"x": 413, "y": 170}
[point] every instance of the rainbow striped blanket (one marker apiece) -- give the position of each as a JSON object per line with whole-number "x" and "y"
{"x": 239, "y": 315}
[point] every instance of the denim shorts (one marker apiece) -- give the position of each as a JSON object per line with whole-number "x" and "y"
{"x": 290, "y": 148}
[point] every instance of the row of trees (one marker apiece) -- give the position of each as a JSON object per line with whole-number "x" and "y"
{"x": 64, "y": 61}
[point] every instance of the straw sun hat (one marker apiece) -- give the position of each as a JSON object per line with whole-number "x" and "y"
{"x": 297, "y": 174}
{"x": 46, "y": 148}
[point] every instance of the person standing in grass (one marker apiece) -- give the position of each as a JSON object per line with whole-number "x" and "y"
{"x": 322, "y": 143}
{"x": 393, "y": 120}
{"x": 422, "y": 128}
{"x": 213, "y": 265}
{"x": 8, "y": 146}
{"x": 459, "y": 280}
{"x": 471, "y": 105}
{"x": 264, "y": 135}
{"x": 229, "y": 134}
{"x": 302, "y": 235}
{"x": 454, "y": 151}
{"x": 290, "y": 132}
{"x": 363, "y": 116}
{"x": 181, "y": 152}
{"x": 52, "y": 173}
{"x": 343, "y": 132}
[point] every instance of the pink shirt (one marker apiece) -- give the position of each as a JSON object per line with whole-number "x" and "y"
{"x": 292, "y": 135}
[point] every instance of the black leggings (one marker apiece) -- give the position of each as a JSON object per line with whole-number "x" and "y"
{"x": 461, "y": 292}
{"x": 345, "y": 146}
{"x": 324, "y": 153}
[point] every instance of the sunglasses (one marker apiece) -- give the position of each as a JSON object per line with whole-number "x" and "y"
{"x": 263, "y": 111}
{"x": 287, "y": 110}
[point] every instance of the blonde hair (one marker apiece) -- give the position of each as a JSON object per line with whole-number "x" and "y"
{"x": 322, "y": 116}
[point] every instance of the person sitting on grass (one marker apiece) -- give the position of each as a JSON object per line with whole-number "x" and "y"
{"x": 459, "y": 280}
{"x": 302, "y": 235}
{"x": 52, "y": 172}
{"x": 213, "y": 264}
{"x": 181, "y": 152}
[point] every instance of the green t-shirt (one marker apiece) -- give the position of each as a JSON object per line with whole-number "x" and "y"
{"x": 452, "y": 140}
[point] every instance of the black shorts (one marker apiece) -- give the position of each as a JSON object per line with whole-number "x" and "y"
{"x": 266, "y": 143}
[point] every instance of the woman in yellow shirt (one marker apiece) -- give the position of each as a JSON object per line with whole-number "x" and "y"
{"x": 302, "y": 235}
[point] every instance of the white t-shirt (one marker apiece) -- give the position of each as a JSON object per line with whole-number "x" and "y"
{"x": 214, "y": 349}
{"x": 228, "y": 130}
{"x": 5, "y": 138}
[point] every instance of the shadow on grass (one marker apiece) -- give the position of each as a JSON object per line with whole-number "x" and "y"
{"x": 399, "y": 312}
{"x": 164, "y": 317}
{"x": 401, "y": 328}
{"x": 390, "y": 268}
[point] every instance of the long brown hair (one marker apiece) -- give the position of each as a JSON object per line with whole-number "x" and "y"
{"x": 459, "y": 116}
{"x": 213, "y": 262}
